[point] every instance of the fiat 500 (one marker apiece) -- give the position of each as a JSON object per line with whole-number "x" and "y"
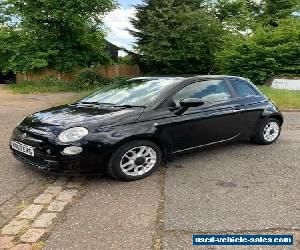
{"x": 127, "y": 130}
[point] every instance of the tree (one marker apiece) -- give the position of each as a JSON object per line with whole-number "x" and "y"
{"x": 235, "y": 16}
{"x": 242, "y": 37}
{"x": 182, "y": 36}
{"x": 176, "y": 37}
{"x": 58, "y": 34}
{"x": 270, "y": 48}
{"x": 274, "y": 10}
{"x": 268, "y": 51}
{"x": 142, "y": 15}
{"x": 7, "y": 38}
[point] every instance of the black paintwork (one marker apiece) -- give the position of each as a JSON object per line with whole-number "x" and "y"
{"x": 110, "y": 127}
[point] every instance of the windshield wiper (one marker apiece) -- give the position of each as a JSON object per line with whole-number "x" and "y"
{"x": 129, "y": 106}
{"x": 113, "y": 105}
{"x": 96, "y": 103}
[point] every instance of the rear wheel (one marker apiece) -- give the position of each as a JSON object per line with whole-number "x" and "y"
{"x": 268, "y": 132}
{"x": 134, "y": 160}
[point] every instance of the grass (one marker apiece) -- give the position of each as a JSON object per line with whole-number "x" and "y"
{"x": 42, "y": 87}
{"x": 284, "y": 99}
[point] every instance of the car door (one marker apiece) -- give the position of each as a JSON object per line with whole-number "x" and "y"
{"x": 217, "y": 120}
{"x": 250, "y": 101}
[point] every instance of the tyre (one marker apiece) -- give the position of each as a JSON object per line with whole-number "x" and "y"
{"x": 134, "y": 161}
{"x": 269, "y": 131}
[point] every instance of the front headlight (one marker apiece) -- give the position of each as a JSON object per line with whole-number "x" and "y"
{"x": 72, "y": 134}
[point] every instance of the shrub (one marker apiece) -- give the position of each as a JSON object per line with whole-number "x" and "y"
{"x": 267, "y": 52}
{"x": 84, "y": 82}
{"x": 48, "y": 84}
{"x": 89, "y": 79}
{"x": 51, "y": 81}
{"x": 120, "y": 80}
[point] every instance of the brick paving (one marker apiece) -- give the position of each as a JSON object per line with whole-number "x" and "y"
{"x": 14, "y": 227}
{"x": 31, "y": 224}
{"x": 6, "y": 242}
{"x": 44, "y": 198}
{"x": 31, "y": 212}
{"x": 32, "y": 235}
{"x": 44, "y": 220}
{"x": 57, "y": 206}
{"x": 54, "y": 189}
{"x": 67, "y": 195}
{"x": 22, "y": 247}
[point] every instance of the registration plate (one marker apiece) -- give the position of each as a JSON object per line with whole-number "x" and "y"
{"x": 23, "y": 148}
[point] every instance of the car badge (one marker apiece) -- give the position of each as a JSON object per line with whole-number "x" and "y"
{"x": 23, "y": 136}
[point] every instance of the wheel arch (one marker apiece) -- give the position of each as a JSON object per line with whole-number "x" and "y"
{"x": 277, "y": 117}
{"x": 270, "y": 112}
{"x": 150, "y": 138}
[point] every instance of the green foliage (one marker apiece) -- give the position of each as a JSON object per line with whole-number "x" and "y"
{"x": 173, "y": 42}
{"x": 255, "y": 39}
{"x": 51, "y": 81}
{"x": 274, "y": 10}
{"x": 89, "y": 79}
{"x": 47, "y": 85}
{"x": 81, "y": 84}
{"x": 143, "y": 18}
{"x": 235, "y": 16}
{"x": 6, "y": 48}
{"x": 269, "y": 51}
{"x": 62, "y": 35}
{"x": 52, "y": 85}
{"x": 127, "y": 60}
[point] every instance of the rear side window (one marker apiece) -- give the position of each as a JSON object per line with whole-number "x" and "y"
{"x": 242, "y": 88}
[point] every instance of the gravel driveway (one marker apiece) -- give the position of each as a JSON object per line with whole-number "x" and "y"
{"x": 238, "y": 188}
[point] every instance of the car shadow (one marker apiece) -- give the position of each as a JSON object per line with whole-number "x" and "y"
{"x": 211, "y": 149}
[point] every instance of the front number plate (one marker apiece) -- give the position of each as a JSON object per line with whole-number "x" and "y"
{"x": 25, "y": 149}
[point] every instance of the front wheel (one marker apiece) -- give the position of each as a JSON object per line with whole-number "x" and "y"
{"x": 134, "y": 160}
{"x": 268, "y": 132}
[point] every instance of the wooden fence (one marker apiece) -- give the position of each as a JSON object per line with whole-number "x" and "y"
{"x": 106, "y": 71}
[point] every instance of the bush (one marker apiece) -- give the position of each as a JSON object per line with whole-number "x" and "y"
{"x": 51, "y": 81}
{"x": 89, "y": 79}
{"x": 120, "y": 80}
{"x": 267, "y": 52}
{"x": 48, "y": 84}
{"x": 84, "y": 82}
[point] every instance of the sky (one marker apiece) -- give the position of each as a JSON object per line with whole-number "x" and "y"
{"x": 117, "y": 22}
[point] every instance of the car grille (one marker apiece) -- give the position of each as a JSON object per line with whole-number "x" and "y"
{"x": 40, "y": 141}
{"x": 35, "y": 161}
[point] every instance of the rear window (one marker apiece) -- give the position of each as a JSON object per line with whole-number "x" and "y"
{"x": 242, "y": 88}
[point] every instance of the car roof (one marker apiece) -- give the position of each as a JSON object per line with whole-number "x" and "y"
{"x": 187, "y": 77}
{"x": 156, "y": 78}
{"x": 219, "y": 76}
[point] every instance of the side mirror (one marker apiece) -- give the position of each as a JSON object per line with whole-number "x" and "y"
{"x": 187, "y": 103}
{"x": 191, "y": 102}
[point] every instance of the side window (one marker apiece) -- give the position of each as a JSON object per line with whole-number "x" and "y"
{"x": 242, "y": 88}
{"x": 209, "y": 91}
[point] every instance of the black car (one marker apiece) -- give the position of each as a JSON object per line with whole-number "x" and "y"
{"x": 127, "y": 130}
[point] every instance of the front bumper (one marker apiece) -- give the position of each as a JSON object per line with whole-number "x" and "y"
{"x": 63, "y": 167}
{"x": 48, "y": 157}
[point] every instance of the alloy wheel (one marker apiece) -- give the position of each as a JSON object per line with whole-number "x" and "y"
{"x": 271, "y": 131}
{"x": 138, "y": 161}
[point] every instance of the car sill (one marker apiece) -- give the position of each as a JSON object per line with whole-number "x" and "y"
{"x": 205, "y": 145}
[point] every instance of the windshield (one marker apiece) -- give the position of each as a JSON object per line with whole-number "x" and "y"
{"x": 135, "y": 92}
